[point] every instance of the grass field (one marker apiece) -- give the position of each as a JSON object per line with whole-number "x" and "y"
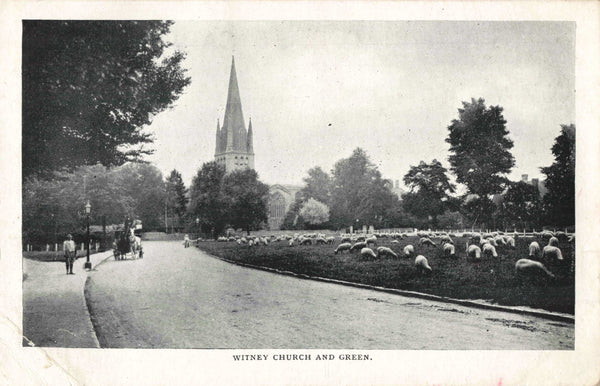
{"x": 491, "y": 279}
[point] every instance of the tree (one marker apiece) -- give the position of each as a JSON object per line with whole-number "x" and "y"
{"x": 314, "y": 212}
{"x": 560, "y": 179}
{"x": 176, "y": 195}
{"x": 207, "y": 201}
{"x": 521, "y": 206}
{"x": 90, "y": 87}
{"x": 429, "y": 191}
{"x": 247, "y": 199}
{"x": 481, "y": 155}
{"x": 359, "y": 193}
{"x": 317, "y": 186}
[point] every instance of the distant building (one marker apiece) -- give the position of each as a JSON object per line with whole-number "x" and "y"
{"x": 234, "y": 150}
{"x": 540, "y": 185}
{"x": 394, "y": 186}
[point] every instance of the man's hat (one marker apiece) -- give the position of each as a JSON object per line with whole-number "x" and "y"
{"x": 70, "y": 236}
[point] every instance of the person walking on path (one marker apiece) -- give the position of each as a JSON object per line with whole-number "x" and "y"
{"x": 186, "y": 241}
{"x": 70, "y": 253}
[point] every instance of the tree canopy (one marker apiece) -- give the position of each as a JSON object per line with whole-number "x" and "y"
{"x": 247, "y": 199}
{"x": 480, "y": 154}
{"x": 429, "y": 191}
{"x": 560, "y": 179}
{"x": 90, "y": 87}
{"x": 207, "y": 202}
{"x": 176, "y": 195}
{"x": 314, "y": 212}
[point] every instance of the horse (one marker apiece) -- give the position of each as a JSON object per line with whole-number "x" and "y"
{"x": 135, "y": 244}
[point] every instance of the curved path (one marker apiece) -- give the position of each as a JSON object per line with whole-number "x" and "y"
{"x": 179, "y": 297}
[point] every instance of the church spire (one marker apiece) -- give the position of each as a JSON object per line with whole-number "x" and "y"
{"x": 218, "y": 140}
{"x": 234, "y": 118}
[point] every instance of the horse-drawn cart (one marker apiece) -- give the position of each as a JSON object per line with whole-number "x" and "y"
{"x": 126, "y": 244}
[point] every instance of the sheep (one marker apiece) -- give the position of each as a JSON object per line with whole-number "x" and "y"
{"x": 250, "y": 242}
{"x": 553, "y": 242}
{"x": 368, "y": 253}
{"x": 239, "y": 241}
{"x": 371, "y": 240}
{"x": 427, "y": 241}
{"x": 360, "y": 238}
{"x": 526, "y": 265}
{"x": 409, "y": 251}
{"x": 306, "y": 241}
{"x": 385, "y": 251}
{"x": 330, "y": 239}
{"x": 489, "y": 250}
{"x": 510, "y": 241}
{"x": 446, "y": 239}
{"x": 395, "y": 242}
{"x": 572, "y": 238}
{"x": 358, "y": 246}
{"x": 534, "y": 249}
{"x": 231, "y": 238}
{"x": 346, "y": 239}
{"x": 474, "y": 252}
{"x": 489, "y": 240}
{"x": 551, "y": 253}
{"x": 342, "y": 247}
{"x": 500, "y": 240}
{"x": 320, "y": 241}
{"x": 422, "y": 265}
{"x": 243, "y": 240}
{"x": 449, "y": 250}
{"x": 291, "y": 243}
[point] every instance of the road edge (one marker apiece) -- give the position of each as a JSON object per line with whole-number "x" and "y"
{"x": 467, "y": 303}
{"x": 90, "y": 313}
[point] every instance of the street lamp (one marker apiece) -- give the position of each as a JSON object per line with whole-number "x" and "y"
{"x": 88, "y": 209}
{"x": 197, "y": 227}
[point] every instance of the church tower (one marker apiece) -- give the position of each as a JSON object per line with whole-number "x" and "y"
{"x": 234, "y": 148}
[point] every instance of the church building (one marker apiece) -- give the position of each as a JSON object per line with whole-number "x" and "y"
{"x": 234, "y": 149}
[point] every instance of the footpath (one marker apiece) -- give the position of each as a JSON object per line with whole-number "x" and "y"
{"x": 55, "y": 313}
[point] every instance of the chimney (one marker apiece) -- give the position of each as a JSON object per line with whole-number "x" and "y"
{"x": 524, "y": 177}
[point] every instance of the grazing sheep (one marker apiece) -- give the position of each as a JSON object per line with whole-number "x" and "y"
{"x": 385, "y": 251}
{"x": 534, "y": 249}
{"x": 368, "y": 253}
{"x": 510, "y": 241}
{"x": 395, "y": 242}
{"x": 553, "y": 242}
{"x": 306, "y": 241}
{"x": 474, "y": 252}
{"x": 358, "y": 246}
{"x": 446, "y": 239}
{"x": 360, "y": 238}
{"x": 291, "y": 244}
{"x": 371, "y": 240}
{"x": 427, "y": 241}
{"x": 526, "y": 265}
{"x": 342, "y": 247}
{"x": 422, "y": 264}
{"x": 449, "y": 250}
{"x": 250, "y": 242}
{"x": 330, "y": 240}
{"x": 551, "y": 253}
{"x": 346, "y": 239}
{"x": 489, "y": 250}
{"x": 500, "y": 240}
{"x": 320, "y": 241}
{"x": 239, "y": 241}
{"x": 489, "y": 240}
{"x": 409, "y": 251}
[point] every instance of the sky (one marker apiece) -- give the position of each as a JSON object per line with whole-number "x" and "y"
{"x": 316, "y": 90}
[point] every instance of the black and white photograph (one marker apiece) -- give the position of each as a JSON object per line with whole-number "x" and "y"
{"x": 299, "y": 191}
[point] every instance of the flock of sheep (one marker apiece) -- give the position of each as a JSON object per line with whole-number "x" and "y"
{"x": 477, "y": 244}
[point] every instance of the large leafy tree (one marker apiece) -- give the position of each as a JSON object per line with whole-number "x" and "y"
{"x": 359, "y": 193}
{"x": 207, "y": 201}
{"x": 480, "y": 154}
{"x": 314, "y": 212}
{"x": 176, "y": 195}
{"x": 429, "y": 191}
{"x": 54, "y": 207}
{"x": 560, "y": 179}
{"x": 521, "y": 206}
{"x": 90, "y": 87}
{"x": 317, "y": 185}
{"x": 247, "y": 199}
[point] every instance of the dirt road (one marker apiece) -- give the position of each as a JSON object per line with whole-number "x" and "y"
{"x": 178, "y": 297}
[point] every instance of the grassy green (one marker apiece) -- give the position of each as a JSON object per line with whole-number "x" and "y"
{"x": 52, "y": 256}
{"x": 492, "y": 279}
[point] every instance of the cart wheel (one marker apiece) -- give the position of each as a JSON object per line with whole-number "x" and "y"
{"x": 141, "y": 253}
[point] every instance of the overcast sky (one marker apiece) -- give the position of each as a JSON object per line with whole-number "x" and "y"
{"x": 317, "y": 90}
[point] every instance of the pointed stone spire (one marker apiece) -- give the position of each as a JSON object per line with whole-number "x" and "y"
{"x": 249, "y": 144}
{"x": 234, "y": 118}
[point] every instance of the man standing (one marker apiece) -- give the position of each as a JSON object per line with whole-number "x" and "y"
{"x": 70, "y": 253}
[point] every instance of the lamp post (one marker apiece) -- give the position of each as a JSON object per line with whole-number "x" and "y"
{"x": 88, "y": 209}
{"x": 197, "y": 227}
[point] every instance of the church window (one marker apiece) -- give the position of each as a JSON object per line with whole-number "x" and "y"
{"x": 277, "y": 205}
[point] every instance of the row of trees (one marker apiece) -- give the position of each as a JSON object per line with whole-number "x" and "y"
{"x": 480, "y": 160}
